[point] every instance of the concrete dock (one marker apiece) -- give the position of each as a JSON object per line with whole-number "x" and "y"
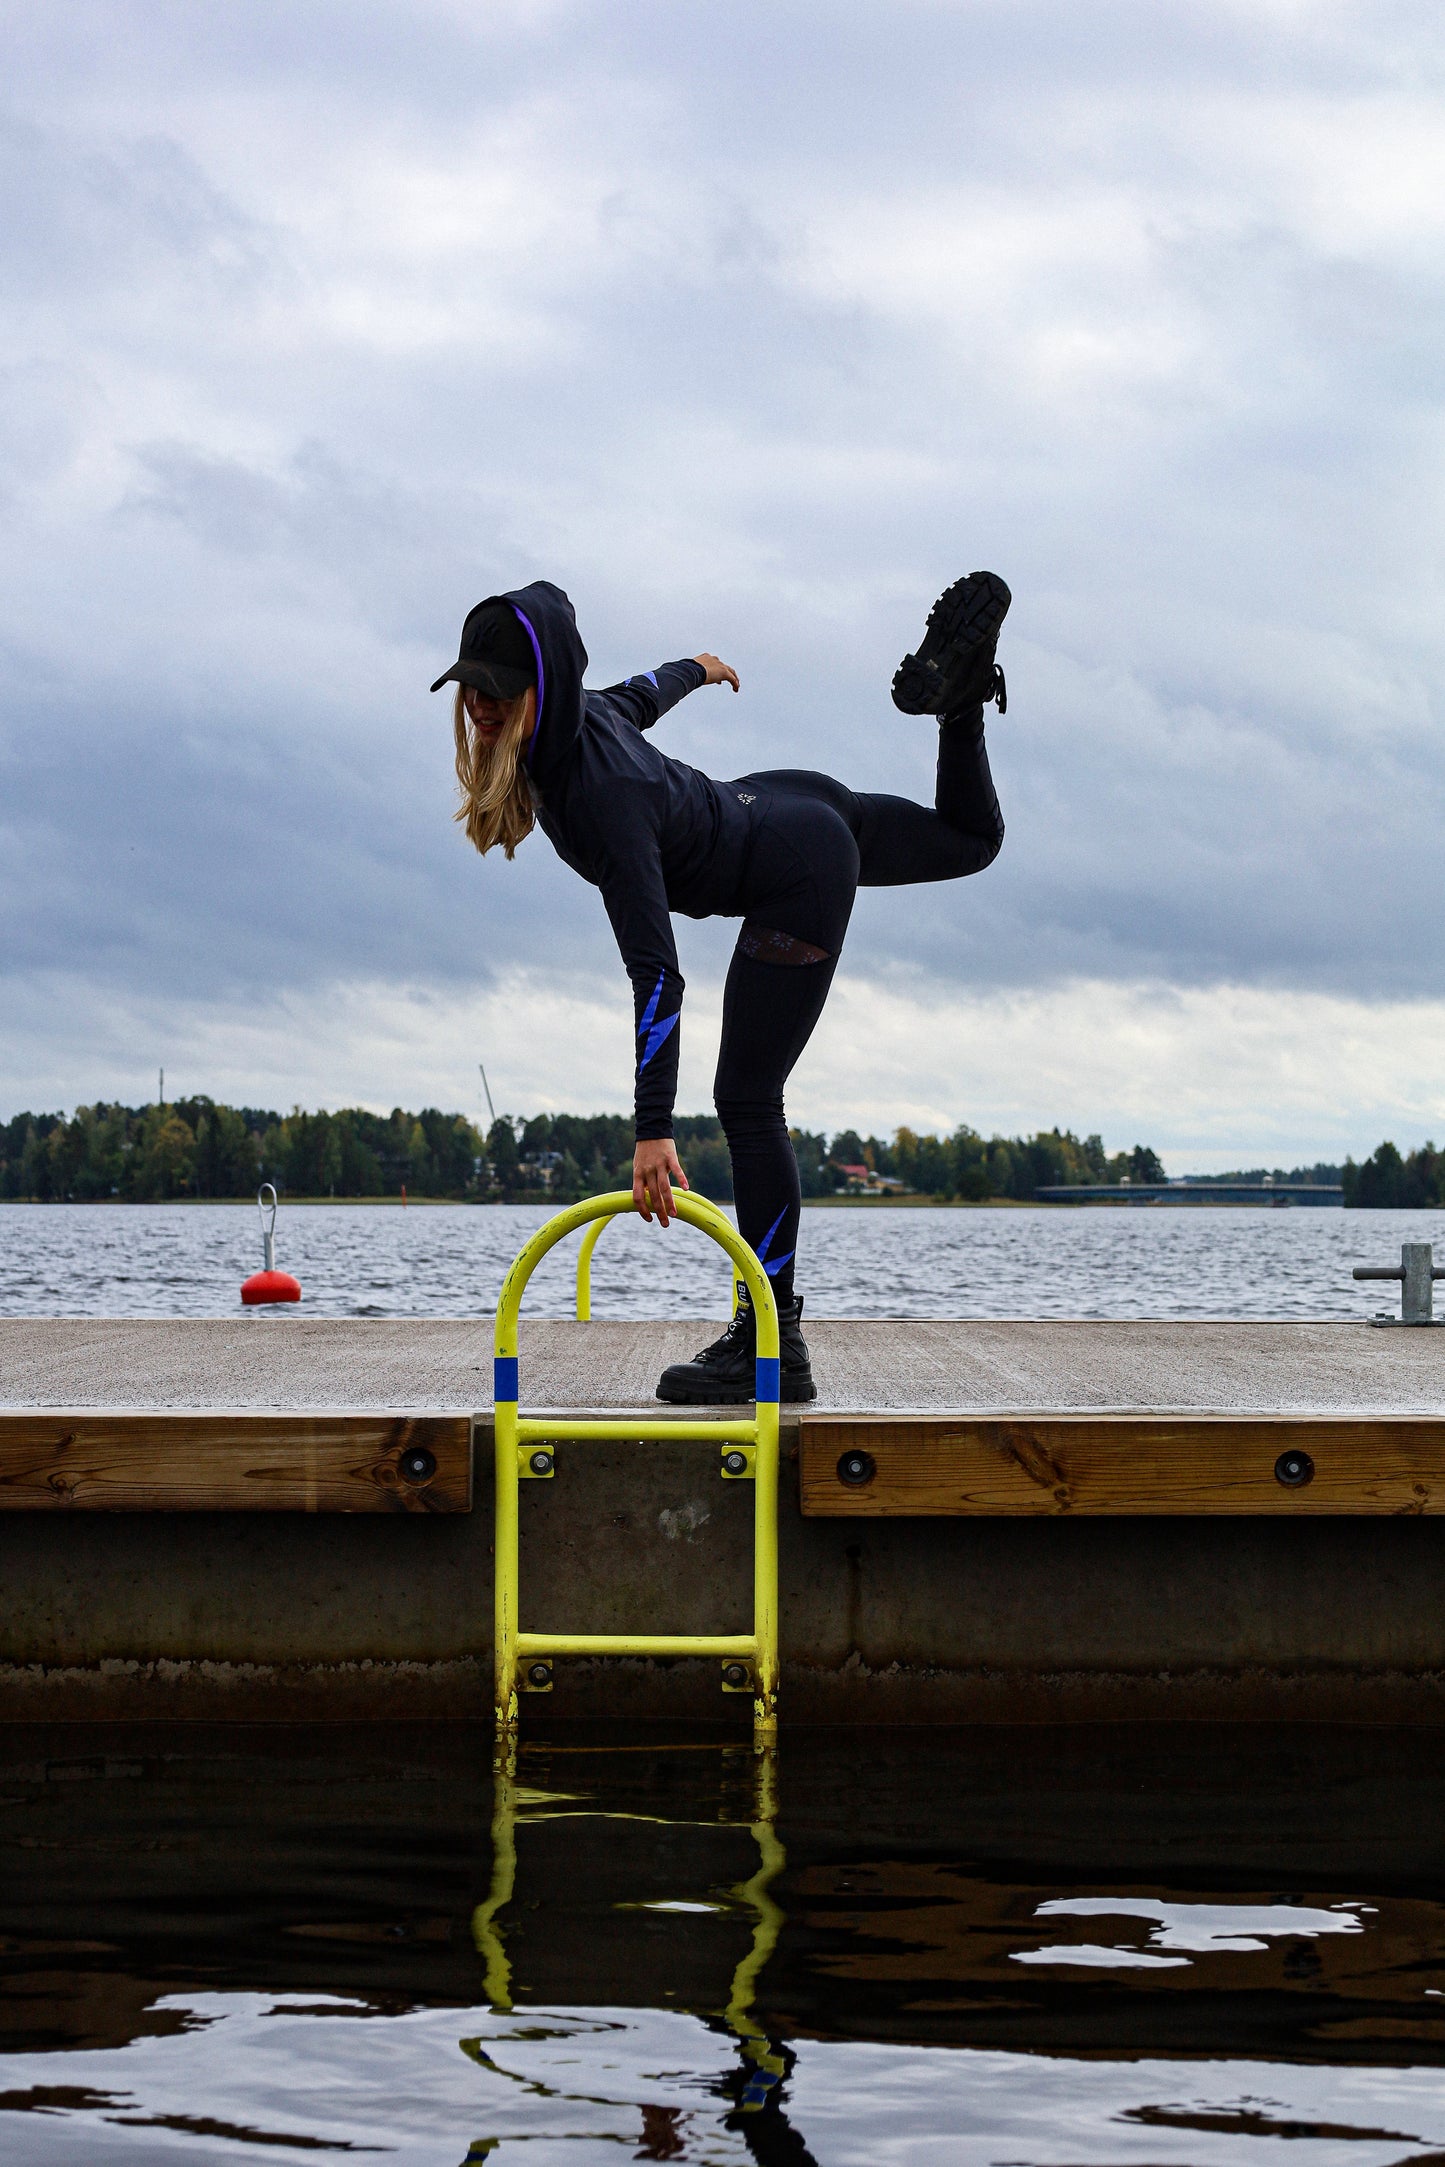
{"x": 1071, "y": 1520}
{"x": 443, "y": 1365}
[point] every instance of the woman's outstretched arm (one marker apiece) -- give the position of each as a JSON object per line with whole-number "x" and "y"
{"x": 643, "y": 699}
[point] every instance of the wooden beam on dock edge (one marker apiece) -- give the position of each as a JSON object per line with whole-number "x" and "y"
{"x": 171, "y": 1462}
{"x": 916, "y": 1466}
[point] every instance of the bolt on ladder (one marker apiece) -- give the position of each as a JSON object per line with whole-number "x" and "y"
{"x": 524, "y": 1450}
{"x": 1417, "y": 1272}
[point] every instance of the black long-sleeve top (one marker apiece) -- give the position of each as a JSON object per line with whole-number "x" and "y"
{"x": 651, "y": 833}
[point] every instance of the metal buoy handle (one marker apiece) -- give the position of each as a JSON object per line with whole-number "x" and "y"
{"x": 268, "y": 1229}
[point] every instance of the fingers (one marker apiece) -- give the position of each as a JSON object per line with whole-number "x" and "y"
{"x": 652, "y": 1180}
{"x": 672, "y": 1172}
{"x": 717, "y": 671}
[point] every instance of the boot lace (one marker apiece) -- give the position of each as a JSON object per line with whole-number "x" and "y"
{"x": 737, "y": 1336}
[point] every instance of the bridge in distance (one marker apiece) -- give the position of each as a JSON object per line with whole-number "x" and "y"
{"x": 1193, "y": 1192}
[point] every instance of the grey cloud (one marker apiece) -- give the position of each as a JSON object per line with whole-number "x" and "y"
{"x": 105, "y": 221}
{"x": 287, "y": 396}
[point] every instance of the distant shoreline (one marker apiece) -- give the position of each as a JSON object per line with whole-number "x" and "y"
{"x": 430, "y": 1203}
{"x": 915, "y": 1202}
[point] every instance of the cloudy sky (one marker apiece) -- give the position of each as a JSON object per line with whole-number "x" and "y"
{"x": 751, "y": 324}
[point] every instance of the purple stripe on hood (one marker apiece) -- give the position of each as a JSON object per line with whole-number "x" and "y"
{"x": 526, "y": 624}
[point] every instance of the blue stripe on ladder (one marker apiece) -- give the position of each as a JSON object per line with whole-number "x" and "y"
{"x": 766, "y": 1389}
{"x": 504, "y": 1377}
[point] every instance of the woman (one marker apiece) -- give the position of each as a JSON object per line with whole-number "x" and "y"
{"x": 783, "y": 851}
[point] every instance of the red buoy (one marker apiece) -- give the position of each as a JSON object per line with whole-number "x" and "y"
{"x": 269, "y": 1285}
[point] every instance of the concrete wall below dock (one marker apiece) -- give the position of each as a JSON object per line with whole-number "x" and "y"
{"x": 242, "y": 1616}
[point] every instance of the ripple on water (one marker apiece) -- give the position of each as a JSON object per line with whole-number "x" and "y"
{"x": 367, "y": 1261}
{"x": 255, "y": 1945}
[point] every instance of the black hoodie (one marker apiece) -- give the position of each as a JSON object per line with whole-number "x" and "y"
{"x": 651, "y": 833}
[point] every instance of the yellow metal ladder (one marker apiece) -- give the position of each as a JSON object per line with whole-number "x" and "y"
{"x": 525, "y": 1450}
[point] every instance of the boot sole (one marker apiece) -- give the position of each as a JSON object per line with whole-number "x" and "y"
{"x": 965, "y": 618}
{"x": 791, "y": 1393}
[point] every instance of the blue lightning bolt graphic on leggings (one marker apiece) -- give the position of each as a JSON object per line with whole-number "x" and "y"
{"x": 773, "y": 1265}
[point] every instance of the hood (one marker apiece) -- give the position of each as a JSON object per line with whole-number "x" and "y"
{"x": 547, "y": 616}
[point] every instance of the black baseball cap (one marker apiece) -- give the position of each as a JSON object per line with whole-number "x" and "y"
{"x": 496, "y": 654}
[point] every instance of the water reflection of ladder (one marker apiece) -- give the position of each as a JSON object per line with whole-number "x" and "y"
{"x": 525, "y": 1450}
{"x": 515, "y": 1804}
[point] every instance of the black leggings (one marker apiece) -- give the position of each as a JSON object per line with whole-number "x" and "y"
{"x": 815, "y": 843}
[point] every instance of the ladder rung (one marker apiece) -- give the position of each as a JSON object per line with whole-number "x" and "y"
{"x": 736, "y": 1644}
{"x": 534, "y": 1431}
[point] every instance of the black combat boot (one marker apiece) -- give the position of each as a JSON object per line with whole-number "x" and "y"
{"x": 722, "y": 1375}
{"x": 954, "y": 667}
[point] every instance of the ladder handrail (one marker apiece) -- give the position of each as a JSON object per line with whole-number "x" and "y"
{"x": 511, "y": 1435}
{"x": 584, "y": 1263}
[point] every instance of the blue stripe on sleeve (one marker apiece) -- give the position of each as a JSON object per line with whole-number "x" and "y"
{"x": 645, "y": 1024}
{"x": 658, "y": 1036}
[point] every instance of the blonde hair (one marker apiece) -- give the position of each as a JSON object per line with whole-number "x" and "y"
{"x": 496, "y": 802}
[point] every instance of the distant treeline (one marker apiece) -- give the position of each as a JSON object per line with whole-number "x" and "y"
{"x": 972, "y": 1167}
{"x": 195, "y": 1147}
{"x": 1392, "y": 1182}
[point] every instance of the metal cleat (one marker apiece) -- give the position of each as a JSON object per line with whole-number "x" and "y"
{"x": 1417, "y": 1272}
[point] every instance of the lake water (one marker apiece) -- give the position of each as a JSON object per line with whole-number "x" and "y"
{"x": 1149, "y": 1946}
{"x": 449, "y": 1260}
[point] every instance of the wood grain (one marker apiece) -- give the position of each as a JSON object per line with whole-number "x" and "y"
{"x": 175, "y": 1462}
{"x": 936, "y": 1465}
